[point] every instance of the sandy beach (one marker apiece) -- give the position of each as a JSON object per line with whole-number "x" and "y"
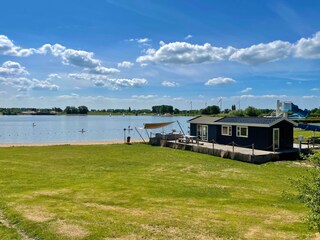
{"x": 65, "y": 143}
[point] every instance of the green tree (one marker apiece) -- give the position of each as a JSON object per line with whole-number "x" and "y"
{"x": 210, "y": 110}
{"x": 71, "y": 110}
{"x": 309, "y": 190}
{"x": 251, "y": 111}
{"x": 83, "y": 110}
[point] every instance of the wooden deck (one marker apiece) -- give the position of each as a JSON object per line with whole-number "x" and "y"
{"x": 237, "y": 153}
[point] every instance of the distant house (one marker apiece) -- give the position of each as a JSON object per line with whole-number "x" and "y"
{"x": 266, "y": 133}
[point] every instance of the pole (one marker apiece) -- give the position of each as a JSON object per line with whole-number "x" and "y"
{"x": 252, "y": 148}
{"x": 232, "y": 146}
{"x": 124, "y": 135}
{"x": 180, "y": 127}
{"x": 139, "y": 134}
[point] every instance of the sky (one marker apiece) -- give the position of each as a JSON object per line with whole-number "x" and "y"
{"x": 189, "y": 54}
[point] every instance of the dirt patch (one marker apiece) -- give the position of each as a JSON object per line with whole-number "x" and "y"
{"x": 131, "y": 211}
{"x": 283, "y": 216}
{"x": 50, "y": 193}
{"x": 256, "y": 232}
{"x": 126, "y": 237}
{"x": 35, "y": 213}
{"x": 70, "y": 230}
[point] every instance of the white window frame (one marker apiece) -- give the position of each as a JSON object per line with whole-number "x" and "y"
{"x": 229, "y": 127}
{"x": 239, "y": 131}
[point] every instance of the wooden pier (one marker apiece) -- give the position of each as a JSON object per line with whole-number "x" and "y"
{"x": 249, "y": 155}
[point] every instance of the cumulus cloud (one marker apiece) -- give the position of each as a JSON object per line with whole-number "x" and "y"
{"x": 246, "y": 90}
{"x": 219, "y": 81}
{"x": 24, "y": 84}
{"x": 10, "y": 68}
{"x": 169, "y": 84}
{"x": 125, "y": 64}
{"x": 188, "y": 37}
{"x": 262, "y": 53}
{"x": 113, "y": 83}
{"x": 144, "y": 97}
{"x": 144, "y": 41}
{"x": 7, "y": 47}
{"x": 54, "y": 76}
{"x": 186, "y": 53}
{"x": 103, "y": 70}
{"x": 308, "y": 47}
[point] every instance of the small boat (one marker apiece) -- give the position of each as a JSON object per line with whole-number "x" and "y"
{"x": 82, "y": 130}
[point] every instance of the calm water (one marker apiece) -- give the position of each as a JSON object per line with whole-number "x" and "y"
{"x": 20, "y": 129}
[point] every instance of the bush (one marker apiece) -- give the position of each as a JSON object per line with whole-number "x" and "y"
{"x": 309, "y": 190}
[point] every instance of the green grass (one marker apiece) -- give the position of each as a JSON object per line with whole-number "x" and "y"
{"x": 144, "y": 192}
{"x": 305, "y": 134}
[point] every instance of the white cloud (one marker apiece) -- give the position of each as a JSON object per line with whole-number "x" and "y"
{"x": 260, "y": 96}
{"x": 310, "y": 97}
{"x": 54, "y": 76}
{"x": 10, "y": 68}
{"x": 315, "y": 89}
{"x": 246, "y": 90}
{"x": 143, "y": 40}
{"x": 103, "y": 70}
{"x": 169, "y": 84}
{"x": 188, "y": 37}
{"x": 125, "y": 64}
{"x": 78, "y": 58}
{"x": 219, "y": 81}
{"x": 186, "y": 53}
{"x": 144, "y": 96}
{"x": 7, "y": 47}
{"x": 113, "y": 83}
{"x": 308, "y": 47}
{"x": 24, "y": 84}
{"x": 262, "y": 53}
{"x": 117, "y": 83}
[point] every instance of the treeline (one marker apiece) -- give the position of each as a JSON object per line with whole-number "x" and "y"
{"x": 155, "y": 110}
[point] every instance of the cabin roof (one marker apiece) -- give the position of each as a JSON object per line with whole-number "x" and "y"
{"x": 204, "y": 120}
{"x": 241, "y": 121}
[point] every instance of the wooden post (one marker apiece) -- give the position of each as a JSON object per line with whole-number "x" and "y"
{"x": 212, "y": 144}
{"x": 273, "y": 147}
{"x": 308, "y": 143}
{"x": 232, "y": 146}
{"x": 252, "y": 148}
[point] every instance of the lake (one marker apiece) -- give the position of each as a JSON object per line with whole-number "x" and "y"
{"x": 41, "y": 129}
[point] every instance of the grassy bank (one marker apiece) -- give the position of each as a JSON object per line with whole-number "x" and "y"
{"x": 138, "y": 191}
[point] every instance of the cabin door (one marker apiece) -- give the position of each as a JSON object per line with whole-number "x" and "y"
{"x": 276, "y": 138}
{"x": 203, "y": 132}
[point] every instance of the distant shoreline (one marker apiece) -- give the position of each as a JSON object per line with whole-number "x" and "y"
{"x": 65, "y": 143}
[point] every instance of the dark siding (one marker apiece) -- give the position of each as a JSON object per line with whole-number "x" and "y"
{"x": 261, "y": 137}
{"x": 212, "y": 133}
{"x": 286, "y": 134}
{"x": 256, "y": 135}
{"x": 193, "y": 129}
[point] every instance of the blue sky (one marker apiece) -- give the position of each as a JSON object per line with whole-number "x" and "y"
{"x": 120, "y": 54}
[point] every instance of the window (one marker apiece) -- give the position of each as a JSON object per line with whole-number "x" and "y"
{"x": 226, "y": 130}
{"x": 242, "y": 131}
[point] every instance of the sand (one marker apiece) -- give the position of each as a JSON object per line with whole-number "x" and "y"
{"x": 65, "y": 143}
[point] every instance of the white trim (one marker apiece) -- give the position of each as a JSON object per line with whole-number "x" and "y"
{"x": 199, "y": 127}
{"x": 229, "y": 130}
{"x": 239, "y": 131}
{"x": 273, "y": 130}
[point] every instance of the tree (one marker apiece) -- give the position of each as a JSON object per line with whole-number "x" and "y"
{"x": 83, "y": 110}
{"x": 233, "y": 107}
{"x": 309, "y": 190}
{"x": 162, "y": 109}
{"x": 251, "y": 111}
{"x": 210, "y": 110}
{"x": 71, "y": 110}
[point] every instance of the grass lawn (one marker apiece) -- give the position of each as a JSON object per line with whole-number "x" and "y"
{"x": 144, "y": 192}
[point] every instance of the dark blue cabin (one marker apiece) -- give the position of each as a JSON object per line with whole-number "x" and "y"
{"x": 266, "y": 133}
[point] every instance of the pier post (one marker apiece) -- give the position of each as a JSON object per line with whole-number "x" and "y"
{"x": 232, "y": 146}
{"x": 252, "y": 148}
